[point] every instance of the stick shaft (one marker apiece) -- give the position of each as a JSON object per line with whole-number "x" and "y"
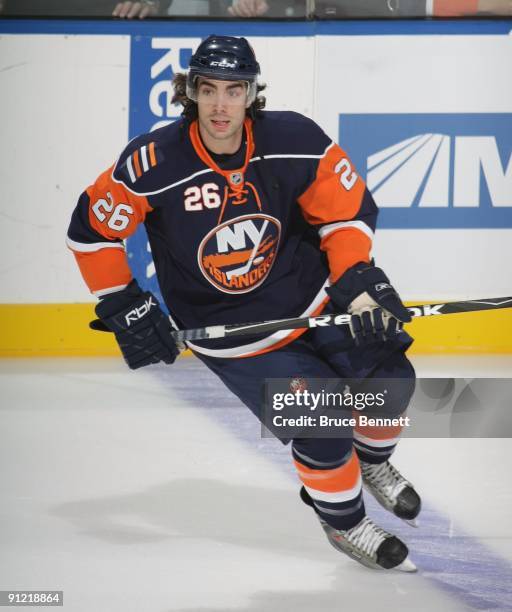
{"x": 270, "y": 327}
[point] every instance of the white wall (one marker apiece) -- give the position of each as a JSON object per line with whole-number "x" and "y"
{"x": 424, "y": 74}
{"x": 64, "y": 114}
{"x": 64, "y": 109}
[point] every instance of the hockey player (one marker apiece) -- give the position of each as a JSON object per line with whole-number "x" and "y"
{"x": 255, "y": 215}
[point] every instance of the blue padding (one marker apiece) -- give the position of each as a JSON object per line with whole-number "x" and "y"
{"x": 416, "y": 27}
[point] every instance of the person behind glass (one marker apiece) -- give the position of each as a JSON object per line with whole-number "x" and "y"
{"x": 375, "y": 8}
{"x": 146, "y": 8}
{"x": 248, "y": 8}
{"x": 267, "y": 8}
{"x": 468, "y": 8}
{"x": 84, "y": 8}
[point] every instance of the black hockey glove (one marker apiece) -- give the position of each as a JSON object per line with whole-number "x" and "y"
{"x": 365, "y": 292}
{"x": 142, "y": 330}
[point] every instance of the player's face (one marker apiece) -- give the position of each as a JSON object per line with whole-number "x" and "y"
{"x": 221, "y": 110}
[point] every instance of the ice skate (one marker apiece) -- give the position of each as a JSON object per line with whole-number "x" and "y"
{"x": 391, "y": 490}
{"x": 371, "y": 546}
{"x": 367, "y": 543}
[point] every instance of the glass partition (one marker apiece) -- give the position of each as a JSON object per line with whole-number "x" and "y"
{"x": 256, "y": 9}
{"x": 406, "y": 9}
{"x": 228, "y": 9}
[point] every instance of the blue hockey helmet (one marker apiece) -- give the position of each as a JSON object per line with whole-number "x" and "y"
{"x": 225, "y": 58}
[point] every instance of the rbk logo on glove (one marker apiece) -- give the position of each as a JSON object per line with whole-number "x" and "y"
{"x": 141, "y": 311}
{"x": 142, "y": 330}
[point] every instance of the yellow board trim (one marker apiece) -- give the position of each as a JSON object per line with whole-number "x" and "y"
{"x": 30, "y": 330}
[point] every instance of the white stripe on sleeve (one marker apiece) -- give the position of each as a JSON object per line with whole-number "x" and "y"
{"x": 129, "y": 165}
{"x": 90, "y": 247}
{"x": 332, "y": 227}
{"x": 144, "y": 157}
{"x": 107, "y": 290}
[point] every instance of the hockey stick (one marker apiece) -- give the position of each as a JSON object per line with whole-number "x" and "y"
{"x": 252, "y": 329}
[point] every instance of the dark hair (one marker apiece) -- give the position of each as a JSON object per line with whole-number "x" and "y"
{"x": 179, "y": 84}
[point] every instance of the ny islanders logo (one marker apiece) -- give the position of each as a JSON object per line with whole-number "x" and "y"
{"x": 236, "y": 256}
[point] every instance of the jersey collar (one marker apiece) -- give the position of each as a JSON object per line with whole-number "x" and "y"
{"x": 231, "y": 176}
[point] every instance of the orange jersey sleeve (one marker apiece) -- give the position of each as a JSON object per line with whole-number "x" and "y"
{"x": 105, "y": 215}
{"x": 338, "y": 203}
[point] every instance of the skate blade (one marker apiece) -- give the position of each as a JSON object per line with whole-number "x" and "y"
{"x": 412, "y": 522}
{"x": 406, "y": 566}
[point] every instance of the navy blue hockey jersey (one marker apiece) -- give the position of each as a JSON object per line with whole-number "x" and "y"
{"x": 252, "y": 240}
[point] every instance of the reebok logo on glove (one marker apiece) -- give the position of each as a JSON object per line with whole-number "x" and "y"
{"x": 143, "y": 331}
{"x": 141, "y": 311}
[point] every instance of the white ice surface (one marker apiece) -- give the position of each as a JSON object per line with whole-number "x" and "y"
{"x": 128, "y": 491}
